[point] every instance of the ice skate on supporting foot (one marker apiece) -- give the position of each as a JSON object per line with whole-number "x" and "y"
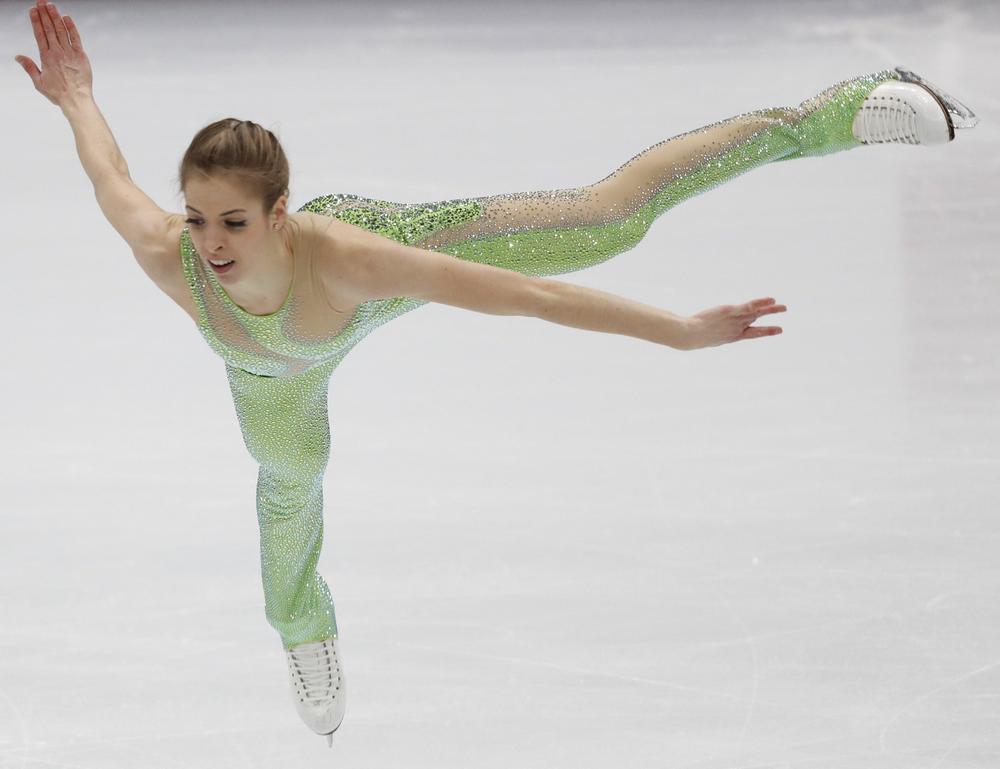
{"x": 317, "y": 685}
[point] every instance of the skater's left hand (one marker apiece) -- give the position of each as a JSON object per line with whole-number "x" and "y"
{"x": 731, "y": 323}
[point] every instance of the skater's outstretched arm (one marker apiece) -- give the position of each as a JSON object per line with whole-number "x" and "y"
{"x": 66, "y": 80}
{"x": 376, "y": 267}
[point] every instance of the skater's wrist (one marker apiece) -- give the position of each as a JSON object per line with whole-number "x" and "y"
{"x": 570, "y": 304}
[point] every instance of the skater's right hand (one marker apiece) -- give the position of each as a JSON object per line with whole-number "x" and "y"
{"x": 730, "y": 323}
{"x": 65, "y": 73}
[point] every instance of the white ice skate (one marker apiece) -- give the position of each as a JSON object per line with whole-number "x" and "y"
{"x": 910, "y": 111}
{"x": 318, "y": 686}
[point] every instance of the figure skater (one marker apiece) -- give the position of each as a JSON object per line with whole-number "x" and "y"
{"x": 283, "y": 296}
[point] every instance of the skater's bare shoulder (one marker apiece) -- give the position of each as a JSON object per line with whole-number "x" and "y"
{"x": 365, "y": 265}
{"x": 335, "y": 262}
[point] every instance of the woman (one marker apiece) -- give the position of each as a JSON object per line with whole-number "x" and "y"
{"x": 283, "y": 297}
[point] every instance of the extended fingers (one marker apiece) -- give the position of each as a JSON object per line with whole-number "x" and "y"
{"x": 755, "y": 304}
{"x": 74, "y": 33}
{"x": 51, "y": 41}
{"x": 757, "y": 307}
{"x": 764, "y": 306}
{"x": 45, "y": 15}
{"x": 39, "y": 30}
{"x": 755, "y": 332}
{"x": 58, "y": 26}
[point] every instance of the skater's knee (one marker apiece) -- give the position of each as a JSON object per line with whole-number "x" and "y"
{"x": 290, "y": 456}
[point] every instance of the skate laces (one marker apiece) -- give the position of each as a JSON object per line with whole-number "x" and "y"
{"x": 888, "y": 119}
{"x": 316, "y": 666}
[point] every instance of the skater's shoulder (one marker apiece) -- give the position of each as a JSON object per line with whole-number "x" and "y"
{"x": 334, "y": 246}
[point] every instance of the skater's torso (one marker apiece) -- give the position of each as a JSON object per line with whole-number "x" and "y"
{"x": 310, "y": 324}
{"x": 322, "y": 317}
{"x": 318, "y": 246}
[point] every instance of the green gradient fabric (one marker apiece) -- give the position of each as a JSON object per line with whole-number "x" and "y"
{"x": 279, "y": 374}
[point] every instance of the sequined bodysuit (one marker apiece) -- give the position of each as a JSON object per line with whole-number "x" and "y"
{"x": 279, "y": 372}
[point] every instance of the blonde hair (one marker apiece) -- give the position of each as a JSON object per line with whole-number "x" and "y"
{"x": 242, "y": 149}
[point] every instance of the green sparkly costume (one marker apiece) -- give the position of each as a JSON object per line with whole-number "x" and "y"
{"x": 279, "y": 375}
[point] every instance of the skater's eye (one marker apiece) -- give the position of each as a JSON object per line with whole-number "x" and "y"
{"x": 199, "y": 222}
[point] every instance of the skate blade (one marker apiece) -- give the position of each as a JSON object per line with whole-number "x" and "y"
{"x": 329, "y": 735}
{"x": 959, "y": 115}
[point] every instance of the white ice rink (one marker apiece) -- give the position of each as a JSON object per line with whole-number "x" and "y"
{"x": 548, "y": 548}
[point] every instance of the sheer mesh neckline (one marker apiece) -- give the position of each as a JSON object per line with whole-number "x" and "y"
{"x": 217, "y": 285}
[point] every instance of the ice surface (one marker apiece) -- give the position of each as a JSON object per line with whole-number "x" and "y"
{"x": 548, "y": 548}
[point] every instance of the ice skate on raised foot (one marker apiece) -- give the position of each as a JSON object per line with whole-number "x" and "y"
{"x": 318, "y": 685}
{"x": 910, "y": 111}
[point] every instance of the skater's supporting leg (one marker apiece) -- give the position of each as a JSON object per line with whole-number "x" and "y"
{"x": 286, "y": 429}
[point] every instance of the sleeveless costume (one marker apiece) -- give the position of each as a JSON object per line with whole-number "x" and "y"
{"x": 279, "y": 374}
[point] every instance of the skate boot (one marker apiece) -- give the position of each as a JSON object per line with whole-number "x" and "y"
{"x": 910, "y": 111}
{"x": 317, "y": 685}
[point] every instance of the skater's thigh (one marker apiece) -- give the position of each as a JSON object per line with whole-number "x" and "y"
{"x": 284, "y": 420}
{"x": 519, "y": 212}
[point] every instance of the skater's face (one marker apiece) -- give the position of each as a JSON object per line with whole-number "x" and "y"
{"x": 227, "y": 221}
